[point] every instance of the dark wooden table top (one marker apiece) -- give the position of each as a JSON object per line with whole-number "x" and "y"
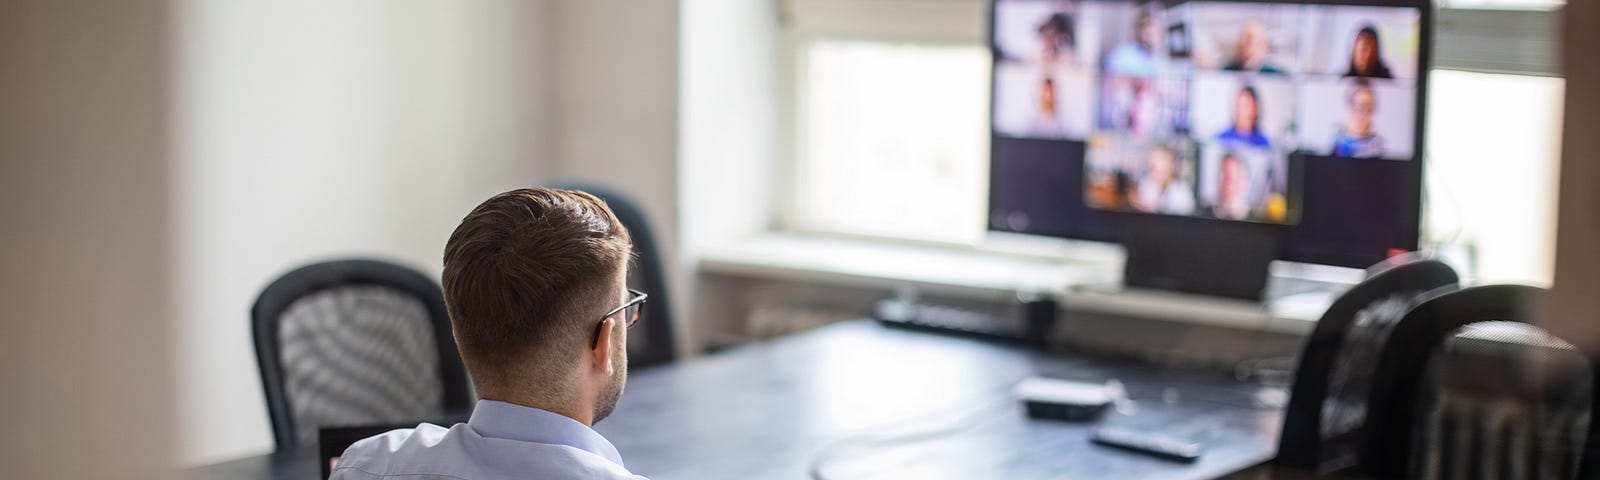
{"x": 290, "y": 465}
{"x": 859, "y": 400}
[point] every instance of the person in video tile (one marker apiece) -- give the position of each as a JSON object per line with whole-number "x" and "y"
{"x": 1366, "y": 58}
{"x": 1356, "y": 138}
{"x": 1252, "y": 51}
{"x": 1233, "y": 193}
{"x": 1135, "y": 105}
{"x": 1162, "y": 190}
{"x": 1139, "y": 57}
{"x": 1056, "y": 39}
{"x": 1046, "y": 123}
{"x": 1246, "y": 128}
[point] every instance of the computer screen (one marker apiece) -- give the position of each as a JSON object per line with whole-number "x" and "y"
{"x": 1304, "y": 116}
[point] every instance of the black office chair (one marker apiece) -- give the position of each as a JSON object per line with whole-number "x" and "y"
{"x": 649, "y": 276}
{"x": 355, "y": 342}
{"x": 1498, "y": 399}
{"x": 1327, "y": 403}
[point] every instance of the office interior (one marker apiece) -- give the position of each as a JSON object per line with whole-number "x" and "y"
{"x": 856, "y": 289}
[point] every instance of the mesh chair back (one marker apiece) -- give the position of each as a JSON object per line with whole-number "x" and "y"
{"x": 358, "y": 355}
{"x": 1502, "y": 400}
{"x": 1476, "y": 429}
{"x": 1327, "y": 403}
{"x": 355, "y": 342}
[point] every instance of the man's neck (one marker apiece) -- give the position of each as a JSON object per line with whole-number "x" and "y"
{"x": 567, "y": 408}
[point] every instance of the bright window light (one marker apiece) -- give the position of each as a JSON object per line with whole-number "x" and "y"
{"x": 893, "y": 140}
{"x": 1492, "y": 161}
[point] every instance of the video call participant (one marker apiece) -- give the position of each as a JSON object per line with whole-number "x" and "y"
{"x": 1246, "y": 128}
{"x": 1366, "y": 57}
{"x": 1139, "y": 58}
{"x": 1356, "y": 138}
{"x": 1136, "y": 106}
{"x": 1233, "y": 189}
{"x": 1046, "y": 123}
{"x": 1161, "y": 190}
{"x": 1056, "y": 39}
{"x": 1251, "y": 55}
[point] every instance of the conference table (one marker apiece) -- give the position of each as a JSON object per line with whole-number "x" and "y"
{"x": 862, "y": 400}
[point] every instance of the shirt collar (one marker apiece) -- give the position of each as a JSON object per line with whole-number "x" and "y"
{"x": 496, "y": 419}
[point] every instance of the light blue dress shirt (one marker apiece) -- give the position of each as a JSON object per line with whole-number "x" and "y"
{"x": 501, "y": 440}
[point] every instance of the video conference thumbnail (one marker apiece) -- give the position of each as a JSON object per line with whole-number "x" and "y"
{"x": 1195, "y": 108}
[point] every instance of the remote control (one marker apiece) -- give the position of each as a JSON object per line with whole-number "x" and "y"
{"x": 1147, "y": 443}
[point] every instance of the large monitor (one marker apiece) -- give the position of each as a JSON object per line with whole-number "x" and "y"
{"x": 1299, "y": 119}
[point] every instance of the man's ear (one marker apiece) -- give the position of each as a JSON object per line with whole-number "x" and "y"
{"x": 601, "y": 353}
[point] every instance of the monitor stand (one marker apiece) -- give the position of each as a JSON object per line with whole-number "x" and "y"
{"x": 1207, "y": 257}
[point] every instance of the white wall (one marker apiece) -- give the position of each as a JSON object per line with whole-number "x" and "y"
{"x": 729, "y": 123}
{"x": 310, "y": 130}
{"x": 729, "y": 119}
{"x": 613, "y": 120}
{"x": 85, "y": 241}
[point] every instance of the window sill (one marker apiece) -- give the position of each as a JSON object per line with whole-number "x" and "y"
{"x": 1085, "y": 280}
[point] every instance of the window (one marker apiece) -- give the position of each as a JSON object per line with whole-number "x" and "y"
{"x": 1492, "y": 160}
{"x": 891, "y": 142}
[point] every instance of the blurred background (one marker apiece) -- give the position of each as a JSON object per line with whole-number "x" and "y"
{"x": 163, "y": 161}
